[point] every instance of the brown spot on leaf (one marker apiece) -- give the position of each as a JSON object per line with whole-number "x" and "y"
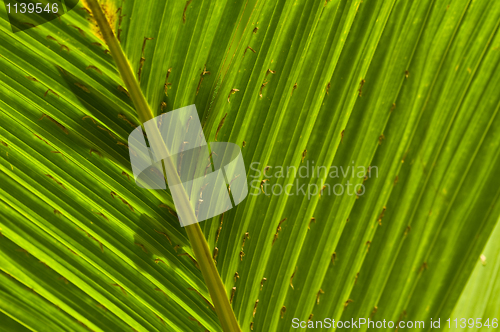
{"x": 184, "y": 12}
{"x": 221, "y": 123}
{"x": 54, "y": 121}
{"x": 94, "y": 68}
{"x": 233, "y": 91}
